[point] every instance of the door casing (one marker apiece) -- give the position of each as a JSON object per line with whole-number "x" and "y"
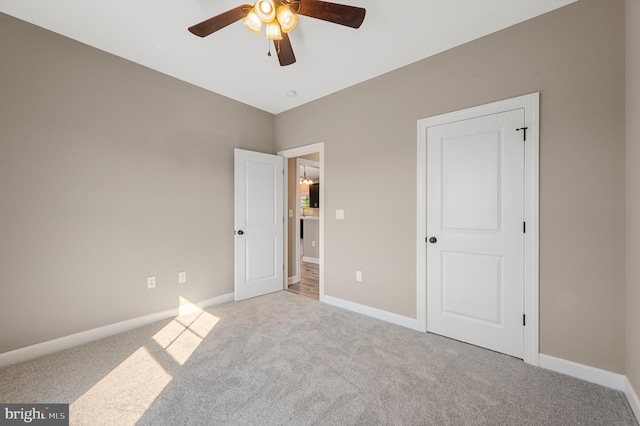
{"x": 530, "y": 103}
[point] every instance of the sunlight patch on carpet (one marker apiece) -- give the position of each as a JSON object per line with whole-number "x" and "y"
{"x": 140, "y": 375}
{"x": 182, "y": 336}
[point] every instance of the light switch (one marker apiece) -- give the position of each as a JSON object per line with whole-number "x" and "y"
{"x": 290, "y": 213}
{"x": 340, "y": 214}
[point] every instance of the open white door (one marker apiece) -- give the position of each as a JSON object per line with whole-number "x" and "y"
{"x": 259, "y": 221}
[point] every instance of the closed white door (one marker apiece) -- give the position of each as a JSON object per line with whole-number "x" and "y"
{"x": 475, "y": 231}
{"x": 259, "y": 221}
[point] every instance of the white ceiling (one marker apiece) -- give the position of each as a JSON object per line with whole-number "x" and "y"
{"x": 233, "y": 62}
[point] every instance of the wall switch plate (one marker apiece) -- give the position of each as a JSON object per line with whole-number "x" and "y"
{"x": 359, "y": 276}
{"x": 340, "y": 214}
{"x": 290, "y": 213}
{"x": 313, "y": 243}
{"x": 182, "y": 277}
{"x": 151, "y": 282}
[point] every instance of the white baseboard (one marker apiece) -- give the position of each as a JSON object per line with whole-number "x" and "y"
{"x": 371, "y": 312}
{"x": 632, "y": 397}
{"x": 311, "y": 260}
{"x": 584, "y": 372}
{"x": 594, "y": 375}
{"x": 55, "y": 345}
{"x": 198, "y": 306}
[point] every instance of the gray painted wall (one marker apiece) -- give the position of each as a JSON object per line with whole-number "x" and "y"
{"x": 632, "y": 297}
{"x": 109, "y": 172}
{"x": 575, "y": 57}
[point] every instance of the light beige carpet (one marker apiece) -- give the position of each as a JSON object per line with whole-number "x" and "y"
{"x": 287, "y": 359}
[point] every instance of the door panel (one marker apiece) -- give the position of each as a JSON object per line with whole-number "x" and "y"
{"x": 475, "y": 210}
{"x": 258, "y": 198}
{"x": 470, "y": 184}
{"x": 480, "y": 302}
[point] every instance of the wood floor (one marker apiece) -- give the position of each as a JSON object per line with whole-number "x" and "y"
{"x": 309, "y": 279}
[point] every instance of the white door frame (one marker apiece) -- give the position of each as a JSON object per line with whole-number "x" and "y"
{"x": 530, "y": 103}
{"x": 293, "y": 153}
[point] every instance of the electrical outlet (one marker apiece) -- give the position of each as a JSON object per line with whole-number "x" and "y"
{"x": 340, "y": 214}
{"x": 151, "y": 282}
{"x": 359, "y": 276}
{"x": 182, "y": 277}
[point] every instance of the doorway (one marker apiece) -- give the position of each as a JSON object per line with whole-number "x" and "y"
{"x": 304, "y": 227}
{"x": 478, "y": 226}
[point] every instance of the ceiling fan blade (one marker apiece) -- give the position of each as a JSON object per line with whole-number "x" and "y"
{"x": 350, "y": 16}
{"x": 218, "y": 22}
{"x": 285, "y": 51}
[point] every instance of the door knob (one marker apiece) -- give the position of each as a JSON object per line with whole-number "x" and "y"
{"x": 433, "y": 240}
{"x": 241, "y": 232}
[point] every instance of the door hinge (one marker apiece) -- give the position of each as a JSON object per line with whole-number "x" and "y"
{"x": 524, "y": 227}
{"x": 524, "y": 320}
{"x": 524, "y": 132}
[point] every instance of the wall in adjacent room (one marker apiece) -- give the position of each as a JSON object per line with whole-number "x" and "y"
{"x": 574, "y": 57}
{"x": 109, "y": 173}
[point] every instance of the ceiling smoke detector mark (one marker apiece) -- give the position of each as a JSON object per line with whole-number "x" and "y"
{"x": 291, "y": 93}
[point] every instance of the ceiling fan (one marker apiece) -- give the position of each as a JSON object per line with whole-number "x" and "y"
{"x": 280, "y": 17}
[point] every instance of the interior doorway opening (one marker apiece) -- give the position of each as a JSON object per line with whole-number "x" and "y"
{"x": 304, "y": 263}
{"x": 304, "y": 227}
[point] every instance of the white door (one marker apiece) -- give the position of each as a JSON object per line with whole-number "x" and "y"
{"x": 259, "y": 221}
{"x": 475, "y": 248}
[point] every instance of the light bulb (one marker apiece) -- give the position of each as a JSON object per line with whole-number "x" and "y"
{"x": 288, "y": 20}
{"x": 252, "y": 22}
{"x": 266, "y": 10}
{"x": 273, "y": 31}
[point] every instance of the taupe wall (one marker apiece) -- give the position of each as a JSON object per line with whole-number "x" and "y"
{"x": 632, "y": 296}
{"x": 575, "y": 57}
{"x": 109, "y": 172}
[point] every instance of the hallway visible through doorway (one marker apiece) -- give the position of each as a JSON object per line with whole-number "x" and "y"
{"x": 309, "y": 278}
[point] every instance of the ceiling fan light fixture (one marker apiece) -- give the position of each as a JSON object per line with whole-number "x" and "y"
{"x": 266, "y": 10}
{"x": 253, "y": 22}
{"x": 288, "y": 20}
{"x": 273, "y": 31}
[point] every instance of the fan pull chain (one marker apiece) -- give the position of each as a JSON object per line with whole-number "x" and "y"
{"x": 269, "y": 44}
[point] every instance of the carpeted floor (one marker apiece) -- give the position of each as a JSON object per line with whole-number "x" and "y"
{"x": 287, "y": 359}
